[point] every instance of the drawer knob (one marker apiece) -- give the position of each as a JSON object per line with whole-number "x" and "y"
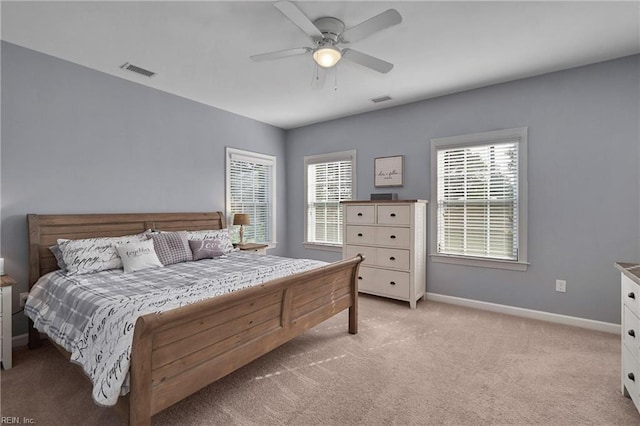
{"x": 360, "y": 214}
{"x": 631, "y": 295}
{"x": 392, "y": 258}
{"x": 393, "y": 237}
{"x": 392, "y": 282}
{"x": 360, "y": 234}
{"x": 359, "y": 278}
{"x": 392, "y": 215}
{"x": 631, "y": 333}
{"x": 631, "y": 377}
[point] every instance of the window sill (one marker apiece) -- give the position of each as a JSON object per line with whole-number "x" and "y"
{"x": 481, "y": 263}
{"x": 325, "y": 247}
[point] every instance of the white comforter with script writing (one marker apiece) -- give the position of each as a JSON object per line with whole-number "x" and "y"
{"x": 93, "y": 316}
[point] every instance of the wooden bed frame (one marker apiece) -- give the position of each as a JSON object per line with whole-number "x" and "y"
{"x": 178, "y": 352}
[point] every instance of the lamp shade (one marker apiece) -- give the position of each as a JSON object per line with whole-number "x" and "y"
{"x": 327, "y": 56}
{"x": 241, "y": 219}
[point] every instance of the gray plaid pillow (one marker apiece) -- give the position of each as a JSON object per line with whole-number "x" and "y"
{"x": 172, "y": 247}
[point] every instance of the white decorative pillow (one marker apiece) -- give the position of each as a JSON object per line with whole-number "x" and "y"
{"x": 94, "y": 254}
{"x": 220, "y": 235}
{"x": 138, "y": 255}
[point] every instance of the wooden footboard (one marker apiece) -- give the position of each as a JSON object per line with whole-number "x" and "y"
{"x": 178, "y": 352}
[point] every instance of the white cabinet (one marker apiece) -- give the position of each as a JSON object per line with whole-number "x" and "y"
{"x": 392, "y": 236}
{"x": 5, "y": 321}
{"x": 630, "y": 380}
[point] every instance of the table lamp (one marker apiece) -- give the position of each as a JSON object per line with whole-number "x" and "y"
{"x": 241, "y": 219}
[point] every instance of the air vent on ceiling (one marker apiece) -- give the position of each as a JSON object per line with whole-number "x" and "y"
{"x": 381, "y": 99}
{"x": 142, "y": 71}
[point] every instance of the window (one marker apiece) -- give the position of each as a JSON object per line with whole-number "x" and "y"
{"x": 479, "y": 185}
{"x": 329, "y": 178}
{"x": 251, "y": 189}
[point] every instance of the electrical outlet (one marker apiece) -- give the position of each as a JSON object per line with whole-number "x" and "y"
{"x": 23, "y": 298}
{"x": 561, "y": 286}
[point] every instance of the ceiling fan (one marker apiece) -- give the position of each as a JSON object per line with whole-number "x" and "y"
{"x": 328, "y": 35}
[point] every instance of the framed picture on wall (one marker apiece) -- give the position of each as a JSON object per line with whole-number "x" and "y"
{"x": 388, "y": 171}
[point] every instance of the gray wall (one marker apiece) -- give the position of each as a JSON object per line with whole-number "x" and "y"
{"x": 583, "y": 180}
{"x": 79, "y": 141}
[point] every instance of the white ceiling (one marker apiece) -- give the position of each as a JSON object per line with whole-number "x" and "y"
{"x": 201, "y": 50}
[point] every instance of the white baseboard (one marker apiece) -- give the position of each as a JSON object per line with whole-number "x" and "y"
{"x": 20, "y": 340}
{"x": 527, "y": 313}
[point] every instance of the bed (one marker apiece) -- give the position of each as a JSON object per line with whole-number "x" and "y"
{"x": 199, "y": 356}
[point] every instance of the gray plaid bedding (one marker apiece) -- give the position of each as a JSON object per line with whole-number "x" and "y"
{"x": 92, "y": 316}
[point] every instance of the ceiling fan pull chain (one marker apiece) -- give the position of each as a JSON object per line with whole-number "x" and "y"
{"x": 335, "y": 86}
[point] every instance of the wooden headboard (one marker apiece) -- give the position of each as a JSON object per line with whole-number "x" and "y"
{"x": 44, "y": 231}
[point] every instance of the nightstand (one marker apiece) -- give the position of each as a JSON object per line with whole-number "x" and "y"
{"x": 257, "y": 248}
{"x": 5, "y": 320}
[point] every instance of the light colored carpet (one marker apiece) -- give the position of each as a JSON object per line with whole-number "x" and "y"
{"x": 439, "y": 364}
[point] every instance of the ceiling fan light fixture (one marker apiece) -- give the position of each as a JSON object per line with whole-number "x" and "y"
{"x": 327, "y": 56}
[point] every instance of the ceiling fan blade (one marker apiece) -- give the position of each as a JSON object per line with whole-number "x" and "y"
{"x": 296, "y": 16}
{"x": 280, "y": 54}
{"x": 367, "y": 60}
{"x": 373, "y": 25}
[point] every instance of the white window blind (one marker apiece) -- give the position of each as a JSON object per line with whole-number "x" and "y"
{"x": 478, "y": 201}
{"x": 251, "y": 190}
{"x": 330, "y": 180}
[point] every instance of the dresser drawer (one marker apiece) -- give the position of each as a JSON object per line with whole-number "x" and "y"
{"x": 361, "y": 234}
{"x": 396, "y": 237}
{"x": 368, "y": 252}
{"x": 393, "y": 258}
{"x": 384, "y": 283}
{"x": 394, "y": 215}
{"x": 631, "y": 295}
{"x": 630, "y": 334}
{"x": 631, "y": 375}
{"x": 365, "y": 214}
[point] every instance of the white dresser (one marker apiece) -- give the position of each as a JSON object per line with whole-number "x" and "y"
{"x": 630, "y": 331}
{"x": 6, "y": 282}
{"x": 392, "y": 236}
